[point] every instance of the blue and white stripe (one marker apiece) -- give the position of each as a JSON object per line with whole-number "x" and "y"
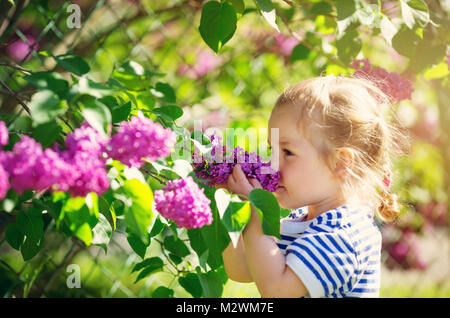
{"x": 336, "y": 254}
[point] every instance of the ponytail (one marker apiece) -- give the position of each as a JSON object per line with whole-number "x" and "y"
{"x": 389, "y": 208}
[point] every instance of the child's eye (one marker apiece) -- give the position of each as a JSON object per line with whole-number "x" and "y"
{"x": 287, "y": 152}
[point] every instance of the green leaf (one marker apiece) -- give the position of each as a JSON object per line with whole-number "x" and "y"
{"x": 269, "y": 13}
{"x": 162, "y": 292}
{"x": 14, "y": 236}
{"x": 139, "y": 247}
{"x": 164, "y": 92}
{"x": 148, "y": 266}
{"x": 131, "y": 81}
{"x": 406, "y": 41}
{"x": 234, "y": 215}
{"x": 191, "y": 283}
{"x": 388, "y": 29}
{"x": 176, "y": 246}
{"x": 238, "y": 5}
{"x": 269, "y": 209}
{"x": 84, "y": 232}
{"x": 211, "y": 282}
{"x": 284, "y": 212}
{"x": 439, "y": 71}
{"x": 102, "y": 232}
{"x": 121, "y": 113}
{"x": 182, "y": 167}
{"x": 169, "y": 112}
{"x": 80, "y": 218}
{"x": 217, "y": 24}
{"x": 30, "y": 248}
{"x": 45, "y": 106}
{"x": 415, "y": 12}
{"x": 48, "y": 81}
{"x": 97, "y": 115}
{"x": 300, "y": 52}
{"x": 345, "y": 9}
{"x": 321, "y": 8}
{"x": 46, "y": 134}
{"x": 73, "y": 64}
{"x": 157, "y": 228}
{"x": 31, "y": 224}
{"x": 365, "y": 15}
{"x": 213, "y": 238}
{"x": 87, "y": 86}
{"x": 154, "y": 262}
{"x": 138, "y": 210}
{"x": 348, "y": 46}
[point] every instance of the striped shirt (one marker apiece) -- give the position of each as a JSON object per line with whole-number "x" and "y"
{"x": 336, "y": 254}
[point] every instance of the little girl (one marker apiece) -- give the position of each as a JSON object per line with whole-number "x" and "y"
{"x": 335, "y": 167}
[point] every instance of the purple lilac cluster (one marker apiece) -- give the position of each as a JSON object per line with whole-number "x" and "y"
{"x": 85, "y": 154}
{"x": 141, "y": 138}
{"x": 81, "y": 167}
{"x": 218, "y": 170}
{"x": 392, "y": 84}
{"x": 183, "y": 202}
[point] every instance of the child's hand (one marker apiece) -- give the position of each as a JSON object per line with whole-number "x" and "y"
{"x": 239, "y": 184}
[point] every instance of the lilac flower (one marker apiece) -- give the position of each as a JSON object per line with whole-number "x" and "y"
{"x": 31, "y": 168}
{"x": 205, "y": 62}
{"x": 285, "y": 44}
{"x": 218, "y": 170}
{"x": 4, "y": 137}
{"x": 85, "y": 155}
{"x": 20, "y": 49}
{"x": 88, "y": 174}
{"x": 86, "y": 139}
{"x": 4, "y": 182}
{"x": 141, "y": 138}
{"x": 183, "y": 202}
{"x": 392, "y": 84}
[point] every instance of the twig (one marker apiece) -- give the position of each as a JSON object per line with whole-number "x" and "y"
{"x": 16, "y": 96}
{"x": 17, "y": 67}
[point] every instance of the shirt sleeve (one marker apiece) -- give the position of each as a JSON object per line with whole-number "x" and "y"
{"x": 325, "y": 262}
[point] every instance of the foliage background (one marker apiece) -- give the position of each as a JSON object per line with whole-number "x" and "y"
{"x": 235, "y": 88}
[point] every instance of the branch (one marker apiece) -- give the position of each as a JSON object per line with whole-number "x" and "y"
{"x": 15, "y": 66}
{"x": 16, "y": 96}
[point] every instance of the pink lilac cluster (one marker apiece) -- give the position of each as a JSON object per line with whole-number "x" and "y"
{"x": 392, "y": 84}
{"x": 4, "y": 135}
{"x": 204, "y": 63}
{"x": 85, "y": 155}
{"x": 20, "y": 49}
{"x": 217, "y": 170}
{"x": 285, "y": 44}
{"x": 4, "y": 182}
{"x": 183, "y": 202}
{"x": 31, "y": 168}
{"x": 4, "y": 175}
{"x": 141, "y": 138}
{"x": 81, "y": 167}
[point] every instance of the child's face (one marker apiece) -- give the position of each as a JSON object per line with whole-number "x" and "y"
{"x": 304, "y": 177}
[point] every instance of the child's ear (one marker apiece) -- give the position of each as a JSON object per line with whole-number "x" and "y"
{"x": 344, "y": 159}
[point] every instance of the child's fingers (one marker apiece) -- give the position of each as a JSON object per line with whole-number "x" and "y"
{"x": 255, "y": 183}
{"x": 238, "y": 174}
